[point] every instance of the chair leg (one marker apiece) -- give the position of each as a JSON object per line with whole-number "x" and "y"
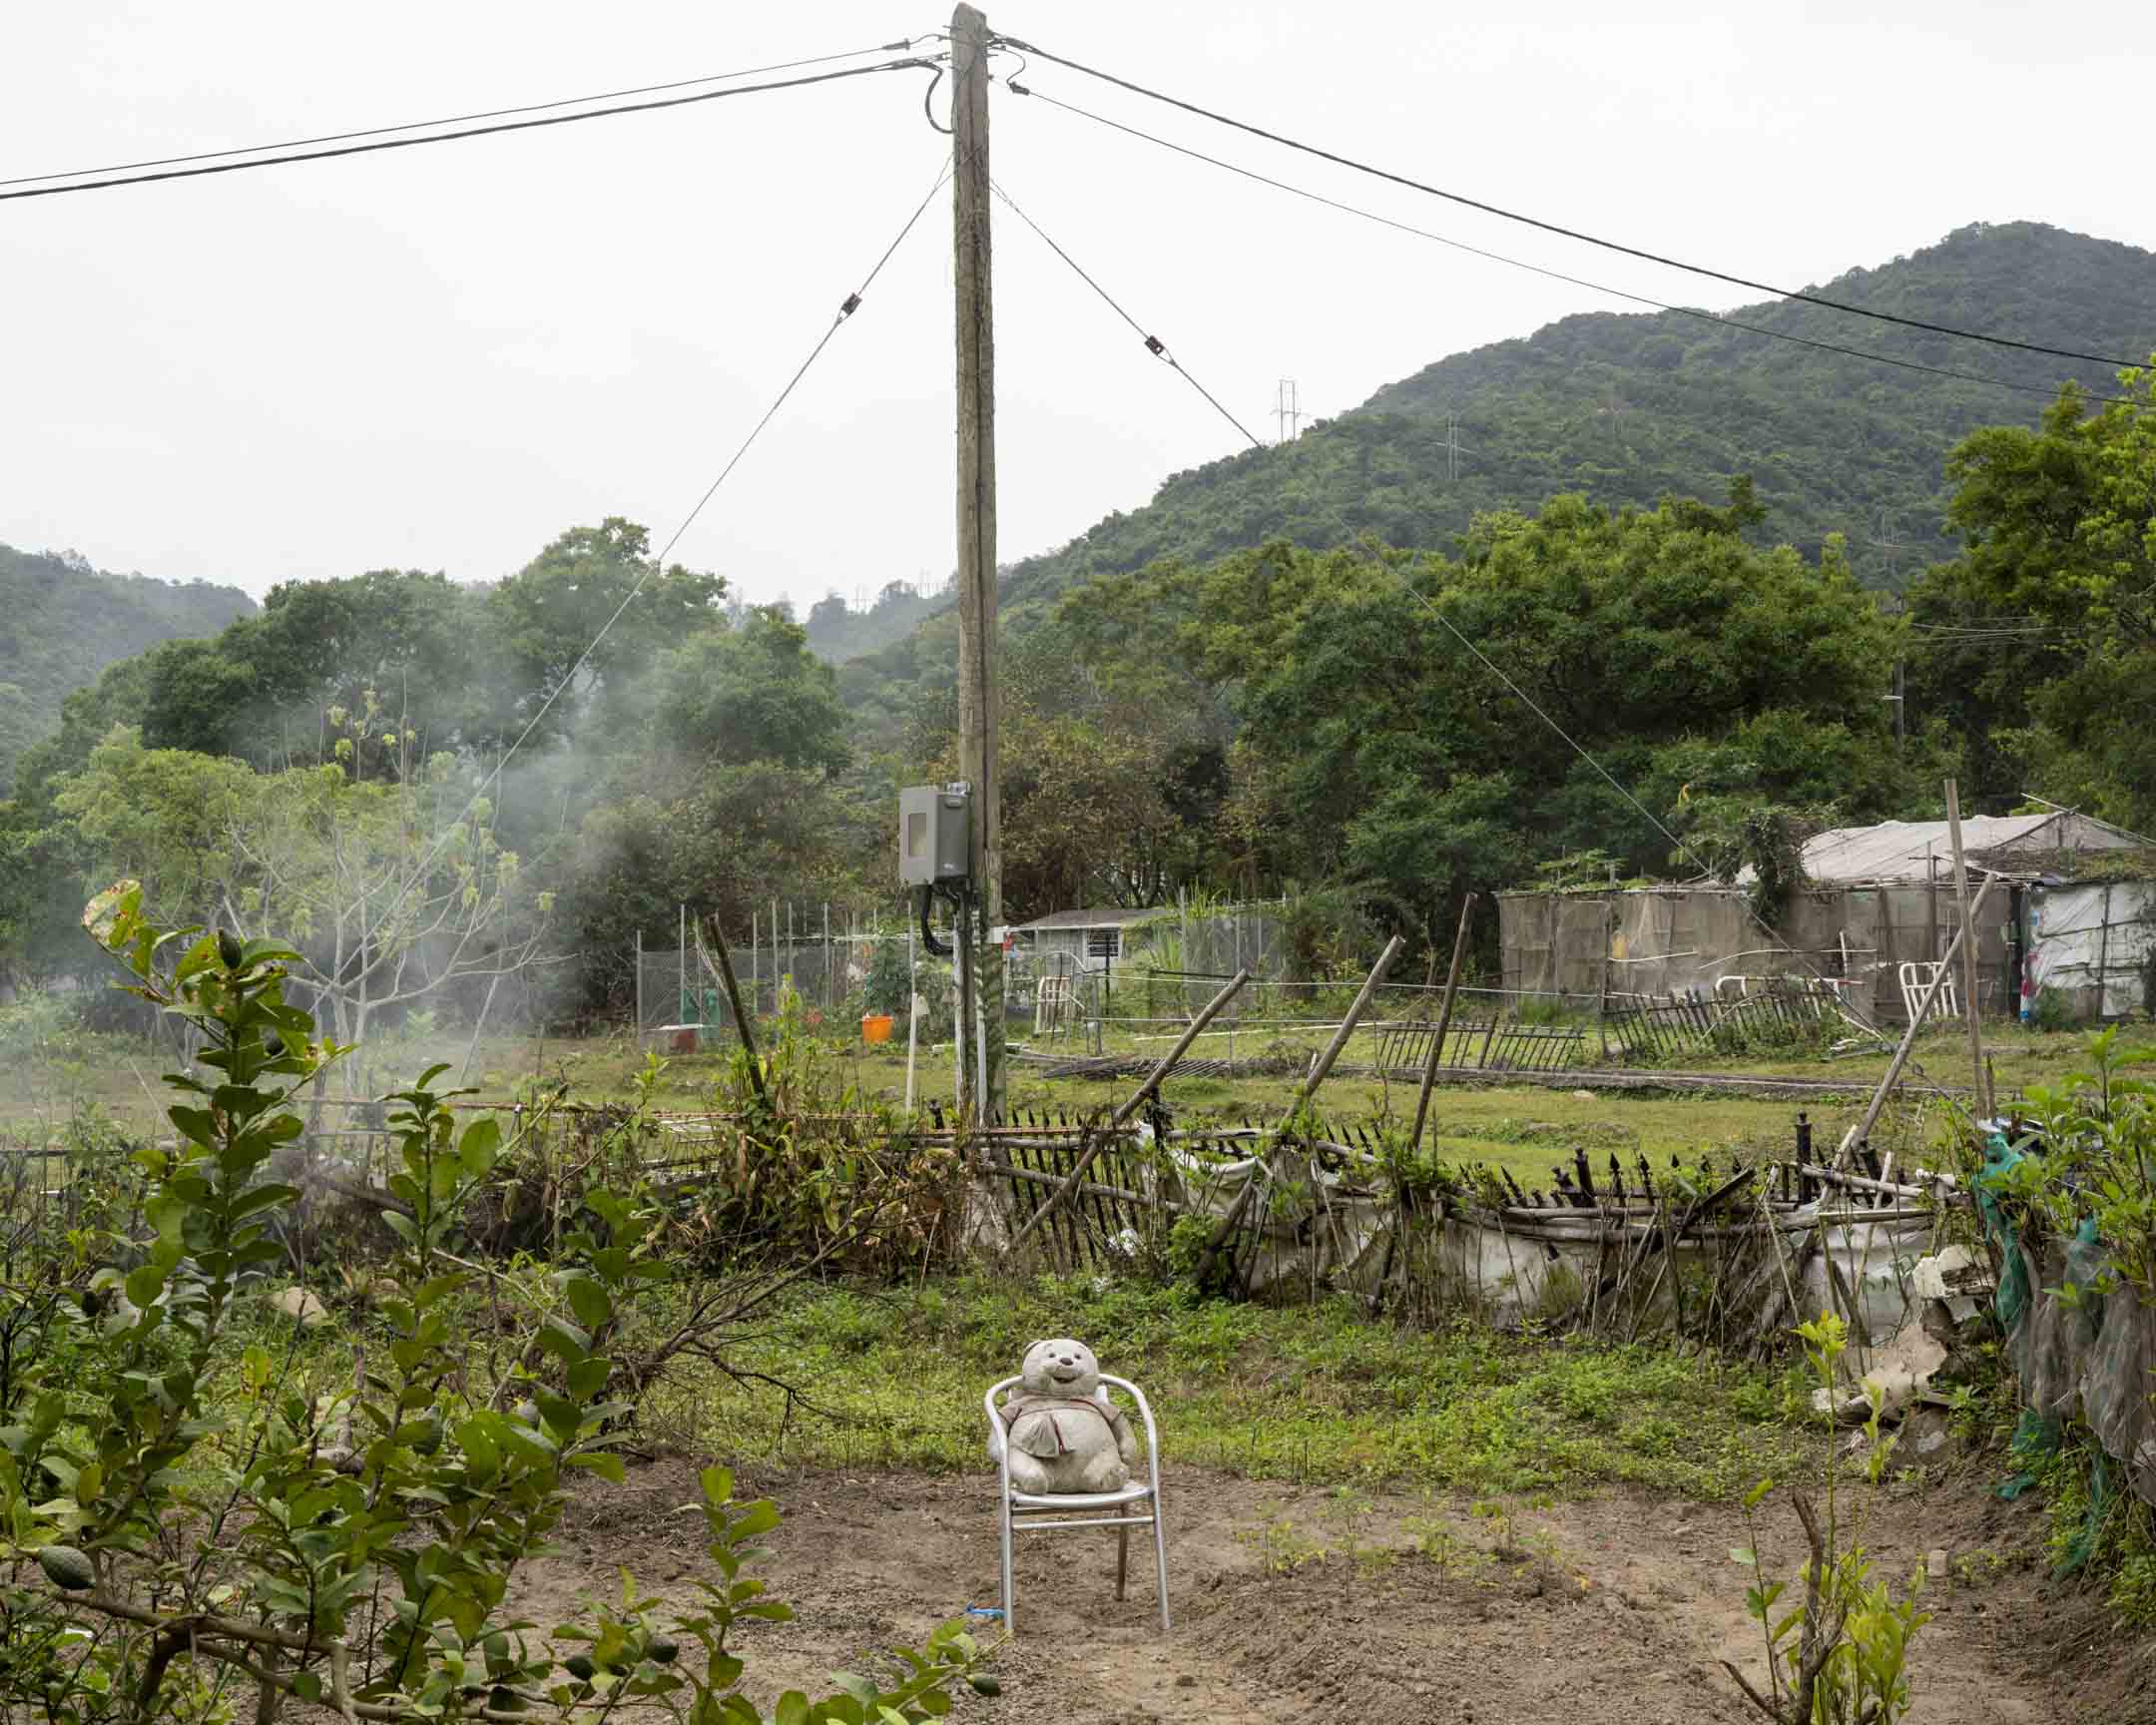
{"x": 1160, "y": 1559}
{"x": 1004, "y": 1528}
{"x": 1122, "y": 1562}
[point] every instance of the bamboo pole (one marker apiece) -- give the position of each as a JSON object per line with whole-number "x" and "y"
{"x": 1862, "y": 1129}
{"x": 1969, "y": 949}
{"x": 740, "y": 1018}
{"x": 1309, "y": 1087}
{"x": 1121, "y": 1117}
{"x": 1444, "y": 1021}
{"x": 1304, "y": 1093}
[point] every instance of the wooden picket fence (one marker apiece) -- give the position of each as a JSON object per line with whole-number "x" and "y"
{"x": 1495, "y": 1045}
{"x": 1640, "y": 1029}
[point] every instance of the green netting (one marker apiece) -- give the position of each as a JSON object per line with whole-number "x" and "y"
{"x": 2083, "y": 1347}
{"x": 2000, "y": 1159}
{"x": 2036, "y": 1439}
{"x": 2101, "y": 1490}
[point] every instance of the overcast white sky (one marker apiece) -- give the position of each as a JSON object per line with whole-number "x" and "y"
{"x": 440, "y": 357}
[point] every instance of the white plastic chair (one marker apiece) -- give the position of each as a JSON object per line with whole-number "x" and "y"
{"x": 1020, "y": 1512}
{"x": 1917, "y": 980}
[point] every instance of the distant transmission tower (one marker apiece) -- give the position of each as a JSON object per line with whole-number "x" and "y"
{"x": 1888, "y": 544}
{"x": 1287, "y": 409}
{"x": 1453, "y": 449}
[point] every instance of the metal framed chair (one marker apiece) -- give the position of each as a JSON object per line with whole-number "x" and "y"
{"x": 1137, "y": 1505}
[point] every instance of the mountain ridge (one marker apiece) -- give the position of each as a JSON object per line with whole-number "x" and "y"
{"x": 62, "y": 622}
{"x": 1630, "y": 406}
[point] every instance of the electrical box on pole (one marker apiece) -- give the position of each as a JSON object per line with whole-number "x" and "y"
{"x": 935, "y": 834}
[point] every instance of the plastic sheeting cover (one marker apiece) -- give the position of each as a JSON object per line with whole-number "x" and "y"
{"x": 2093, "y": 941}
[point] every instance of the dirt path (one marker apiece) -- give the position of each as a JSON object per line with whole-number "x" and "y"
{"x": 1312, "y": 1605}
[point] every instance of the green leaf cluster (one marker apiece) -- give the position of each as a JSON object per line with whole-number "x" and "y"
{"x": 179, "y": 1514}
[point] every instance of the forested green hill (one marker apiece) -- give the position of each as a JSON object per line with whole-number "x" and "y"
{"x": 1223, "y": 693}
{"x": 1628, "y": 407}
{"x": 62, "y": 622}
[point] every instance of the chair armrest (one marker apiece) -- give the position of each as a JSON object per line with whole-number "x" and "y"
{"x": 997, "y": 1448}
{"x": 1145, "y": 1413}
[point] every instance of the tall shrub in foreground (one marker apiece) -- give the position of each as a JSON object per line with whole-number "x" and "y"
{"x": 184, "y": 1532}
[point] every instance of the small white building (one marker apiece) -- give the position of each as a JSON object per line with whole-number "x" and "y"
{"x": 1092, "y": 940}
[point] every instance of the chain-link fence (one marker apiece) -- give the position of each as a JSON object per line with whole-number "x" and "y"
{"x": 1165, "y": 964}
{"x": 678, "y": 983}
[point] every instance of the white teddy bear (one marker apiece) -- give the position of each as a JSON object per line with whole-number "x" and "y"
{"x": 1064, "y": 1435}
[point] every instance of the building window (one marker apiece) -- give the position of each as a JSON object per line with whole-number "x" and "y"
{"x": 1104, "y": 943}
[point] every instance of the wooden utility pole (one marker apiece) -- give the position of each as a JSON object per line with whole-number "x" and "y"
{"x": 1969, "y": 947}
{"x": 977, "y": 718}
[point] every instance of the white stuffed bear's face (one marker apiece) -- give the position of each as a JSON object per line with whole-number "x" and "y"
{"x": 1061, "y": 1368}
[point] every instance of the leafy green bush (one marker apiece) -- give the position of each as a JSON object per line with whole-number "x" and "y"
{"x": 885, "y": 989}
{"x": 31, "y": 1022}
{"x": 179, "y": 1522}
{"x": 2051, "y": 1012}
{"x": 821, "y": 1170}
{"x": 2092, "y": 1158}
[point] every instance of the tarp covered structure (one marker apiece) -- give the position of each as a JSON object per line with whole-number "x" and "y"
{"x": 2094, "y": 943}
{"x": 1903, "y": 850}
{"x": 1878, "y": 898}
{"x": 1654, "y": 941}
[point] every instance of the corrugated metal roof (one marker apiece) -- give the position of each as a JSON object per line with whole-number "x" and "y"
{"x": 1106, "y": 917}
{"x": 1920, "y": 850}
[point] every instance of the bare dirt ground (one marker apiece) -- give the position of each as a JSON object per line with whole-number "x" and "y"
{"x": 1308, "y": 1605}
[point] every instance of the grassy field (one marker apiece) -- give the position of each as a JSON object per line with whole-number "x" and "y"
{"x": 1524, "y": 1127}
{"x": 1314, "y": 1394}
{"x": 1317, "y": 1395}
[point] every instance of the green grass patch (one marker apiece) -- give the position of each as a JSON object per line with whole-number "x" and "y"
{"x": 1318, "y": 1394}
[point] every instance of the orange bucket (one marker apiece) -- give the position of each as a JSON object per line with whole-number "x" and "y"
{"x": 876, "y": 1027}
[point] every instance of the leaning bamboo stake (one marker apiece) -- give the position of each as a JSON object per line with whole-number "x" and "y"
{"x": 1304, "y": 1093}
{"x": 1122, "y": 1116}
{"x": 1323, "y": 1067}
{"x": 1968, "y": 949}
{"x": 740, "y": 1018}
{"x": 1444, "y": 1022}
{"x": 1857, "y": 1133}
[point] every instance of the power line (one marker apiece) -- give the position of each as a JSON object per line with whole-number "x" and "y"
{"x": 898, "y": 47}
{"x": 1405, "y": 585}
{"x": 1455, "y": 448}
{"x": 1569, "y": 232}
{"x": 1693, "y": 312}
{"x": 1408, "y": 587}
{"x": 1154, "y": 345}
{"x": 1610, "y": 779}
{"x": 847, "y": 308}
{"x": 1989, "y": 628}
{"x": 469, "y": 132}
